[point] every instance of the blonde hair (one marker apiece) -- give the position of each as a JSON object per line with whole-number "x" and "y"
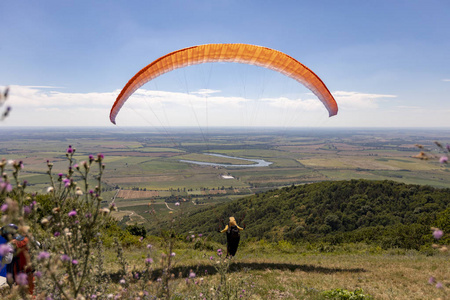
{"x": 232, "y": 222}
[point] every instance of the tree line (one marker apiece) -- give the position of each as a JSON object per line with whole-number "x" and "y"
{"x": 386, "y": 213}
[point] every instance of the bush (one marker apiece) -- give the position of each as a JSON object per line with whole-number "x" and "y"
{"x": 341, "y": 294}
{"x": 137, "y": 230}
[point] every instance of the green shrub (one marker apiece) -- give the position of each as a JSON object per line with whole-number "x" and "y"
{"x": 343, "y": 294}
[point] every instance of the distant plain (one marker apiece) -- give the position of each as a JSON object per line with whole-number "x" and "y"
{"x": 148, "y": 159}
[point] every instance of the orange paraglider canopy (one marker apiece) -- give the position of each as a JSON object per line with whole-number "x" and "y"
{"x": 239, "y": 53}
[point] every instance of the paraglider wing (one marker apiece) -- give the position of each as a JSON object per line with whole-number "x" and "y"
{"x": 239, "y": 53}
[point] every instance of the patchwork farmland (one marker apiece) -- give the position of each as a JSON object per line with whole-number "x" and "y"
{"x": 144, "y": 165}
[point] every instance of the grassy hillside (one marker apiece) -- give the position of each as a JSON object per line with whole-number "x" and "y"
{"x": 385, "y": 213}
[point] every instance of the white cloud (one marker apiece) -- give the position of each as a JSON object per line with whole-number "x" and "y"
{"x": 206, "y": 92}
{"x": 283, "y": 102}
{"x": 356, "y": 100}
{"x": 46, "y": 97}
{"x": 42, "y": 97}
{"x": 447, "y": 80}
{"x": 50, "y": 106}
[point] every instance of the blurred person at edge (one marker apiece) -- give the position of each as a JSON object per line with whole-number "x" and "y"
{"x": 21, "y": 261}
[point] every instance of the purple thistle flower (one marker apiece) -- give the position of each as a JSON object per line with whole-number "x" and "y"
{"x": 38, "y": 274}
{"x": 43, "y": 255}
{"x": 193, "y": 236}
{"x": 56, "y": 234}
{"x": 177, "y": 203}
{"x": 65, "y": 257}
{"x": 443, "y": 160}
{"x": 4, "y": 207}
{"x": 439, "y": 285}
{"x": 136, "y": 276}
{"x": 22, "y": 279}
{"x": 172, "y": 254}
{"x": 27, "y": 210}
{"x": 438, "y": 234}
{"x": 88, "y": 215}
{"x": 219, "y": 252}
{"x": 100, "y": 156}
{"x": 72, "y": 213}
{"x": 6, "y": 186}
{"x": 141, "y": 238}
{"x": 191, "y": 274}
{"x": 70, "y": 150}
{"x": 122, "y": 281}
{"x": 431, "y": 280}
{"x": 149, "y": 260}
{"x": 66, "y": 182}
{"x": 75, "y": 262}
{"x": 149, "y": 246}
{"x": 200, "y": 235}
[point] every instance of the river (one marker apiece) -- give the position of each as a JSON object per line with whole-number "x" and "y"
{"x": 257, "y": 162}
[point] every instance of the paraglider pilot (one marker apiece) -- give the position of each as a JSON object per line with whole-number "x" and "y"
{"x": 233, "y": 236}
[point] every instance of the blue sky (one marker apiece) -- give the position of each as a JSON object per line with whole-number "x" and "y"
{"x": 386, "y": 62}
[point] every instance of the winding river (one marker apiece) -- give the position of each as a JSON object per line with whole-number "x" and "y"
{"x": 257, "y": 162}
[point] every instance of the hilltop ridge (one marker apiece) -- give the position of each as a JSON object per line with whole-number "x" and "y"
{"x": 386, "y": 213}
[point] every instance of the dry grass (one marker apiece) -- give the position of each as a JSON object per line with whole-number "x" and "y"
{"x": 382, "y": 276}
{"x": 278, "y": 275}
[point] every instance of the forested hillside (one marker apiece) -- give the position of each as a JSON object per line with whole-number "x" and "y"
{"x": 386, "y": 213}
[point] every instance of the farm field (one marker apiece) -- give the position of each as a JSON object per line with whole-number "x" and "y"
{"x": 144, "y": 163}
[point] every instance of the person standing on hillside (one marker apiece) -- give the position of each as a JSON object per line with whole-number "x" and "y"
{"x": 233, "y": 236}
